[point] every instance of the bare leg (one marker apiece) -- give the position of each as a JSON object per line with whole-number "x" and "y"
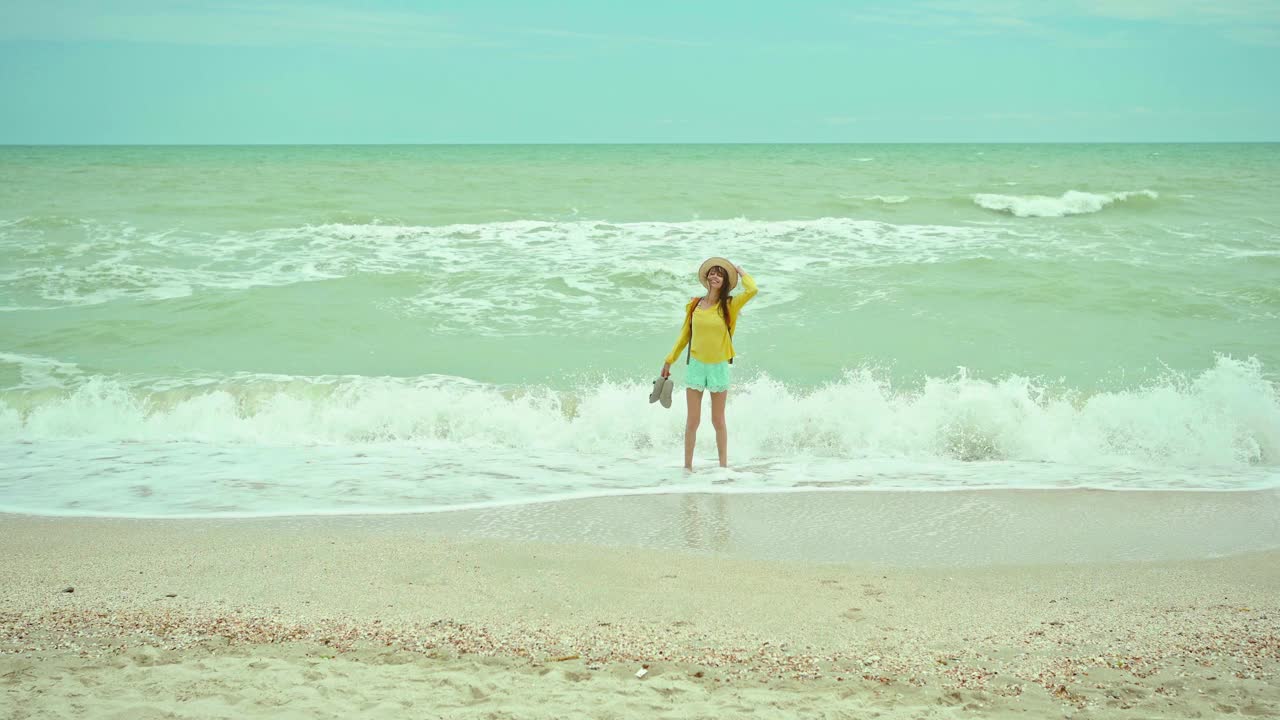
{"x": 694, "y": 399}
{"x": 722, "y": 430}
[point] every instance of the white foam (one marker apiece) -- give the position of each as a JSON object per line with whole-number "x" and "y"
{"x": 1072, "y": 202}
{"x": 280, "y": 445}
{"x": 555, "y": 272}
{"x": 38, "y": 371}
{"x": 1228, "y": 416}
{"x": 885, "y": 199}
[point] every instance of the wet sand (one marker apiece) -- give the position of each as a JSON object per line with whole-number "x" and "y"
{"x": 1034, "y": 604}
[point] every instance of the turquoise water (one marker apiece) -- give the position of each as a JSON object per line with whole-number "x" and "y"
{"x": 262, "y": 330}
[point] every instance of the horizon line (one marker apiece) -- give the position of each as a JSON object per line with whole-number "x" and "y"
{"x": 639, "y": 142}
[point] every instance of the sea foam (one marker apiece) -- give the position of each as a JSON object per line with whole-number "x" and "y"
{"x": 1227, "y": 416}
{"x": 1072, "y": 202}
{"x": 255, "y": 445}
{"x": 884, "y": 199}
{"x": 123, "y": 263}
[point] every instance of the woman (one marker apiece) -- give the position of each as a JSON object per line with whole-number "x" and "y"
{"x": 711, "y": 319}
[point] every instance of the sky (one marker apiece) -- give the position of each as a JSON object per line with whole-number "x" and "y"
{"x": 481, "y": 71}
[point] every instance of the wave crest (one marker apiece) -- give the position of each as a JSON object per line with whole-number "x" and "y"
{"x": 1228, "y": 416}
{"x": 1072, "y": 202}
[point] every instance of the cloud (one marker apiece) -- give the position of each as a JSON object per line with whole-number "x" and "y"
{"x": 286, "y": 22}
{"x": 189, "y": 23}
{"x": 611, "y": 39}
{"x": 1243, "y": 21}
{"x": 1233, "y": 12}
{"x": 965, "y": 18}
{"x": 1268, "y": 36}
{"x": 1012, "y": 117}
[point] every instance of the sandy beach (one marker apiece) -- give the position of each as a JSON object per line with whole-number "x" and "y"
{"x": 803, "y": 605}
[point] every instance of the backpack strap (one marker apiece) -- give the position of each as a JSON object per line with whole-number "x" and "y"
{"x": 693, "y": 305}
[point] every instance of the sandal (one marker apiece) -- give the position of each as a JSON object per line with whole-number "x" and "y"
{"x": 657, "y": 389}
{"x": 661, "y": 391}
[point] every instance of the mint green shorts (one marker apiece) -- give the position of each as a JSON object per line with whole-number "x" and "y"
{"x": 713, "y": 377}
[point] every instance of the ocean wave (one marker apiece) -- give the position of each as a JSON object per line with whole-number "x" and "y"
{"x": 1227, "y": 416}
{"x": 462, "y": 260}
{"x": 37, "y": 371}
{"x": 885, "y": 199}
{"x": 1072, "y": 202}
{"x": 41, "y": 222}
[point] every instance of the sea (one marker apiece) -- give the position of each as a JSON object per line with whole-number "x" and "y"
{"x": 236, "y": 331}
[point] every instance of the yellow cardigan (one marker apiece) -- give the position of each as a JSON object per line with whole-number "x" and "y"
{"x": 712, "y": 342}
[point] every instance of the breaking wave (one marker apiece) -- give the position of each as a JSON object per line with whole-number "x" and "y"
{"x": 1072, "y": 202}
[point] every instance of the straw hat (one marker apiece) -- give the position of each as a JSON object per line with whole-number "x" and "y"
{"x": 728, "y": 267}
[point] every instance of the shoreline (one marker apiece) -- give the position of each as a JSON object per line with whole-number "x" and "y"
{"x": 893, "y": 528}
{"x": 237, "y": 618}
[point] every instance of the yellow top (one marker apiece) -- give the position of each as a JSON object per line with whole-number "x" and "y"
{"x": 712, "y": 342}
